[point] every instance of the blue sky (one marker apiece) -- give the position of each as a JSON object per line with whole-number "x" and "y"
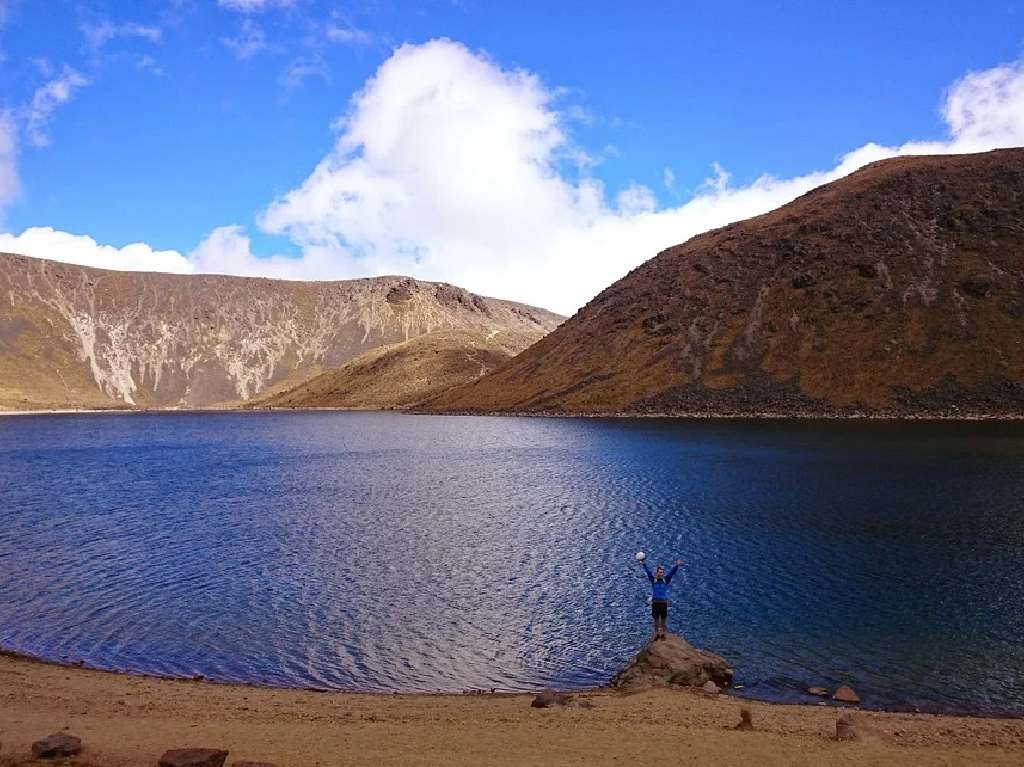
{"x": 182, "y": 119}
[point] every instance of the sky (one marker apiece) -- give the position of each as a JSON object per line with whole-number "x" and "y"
{"x": 534, "y": 151}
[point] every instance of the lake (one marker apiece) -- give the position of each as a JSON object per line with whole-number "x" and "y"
{"x": 390, "y": 552}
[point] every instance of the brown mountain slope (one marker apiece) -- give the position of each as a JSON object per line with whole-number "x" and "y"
{"x": 71, "y": 336}
{"x": 403, "y": 374}
{"x": 896, "y": 290}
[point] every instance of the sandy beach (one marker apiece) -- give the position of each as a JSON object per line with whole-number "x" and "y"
{"x": 126, "y": 721}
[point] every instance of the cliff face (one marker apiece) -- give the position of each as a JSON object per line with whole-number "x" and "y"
{"x": 896, "y": 290}
{"x": 71, "y": 336}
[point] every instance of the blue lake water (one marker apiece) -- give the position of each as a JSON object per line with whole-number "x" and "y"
{"x": 379, "y": 551}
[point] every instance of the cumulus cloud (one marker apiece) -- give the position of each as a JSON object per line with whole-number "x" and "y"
{"x": 45, "y": 242}
{"x": 227, "y": 250}
{"x": 449, "y": 167}
{"x": 45, "y": 101}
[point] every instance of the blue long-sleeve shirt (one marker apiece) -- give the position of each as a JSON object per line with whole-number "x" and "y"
{"x": 659, "y": 588}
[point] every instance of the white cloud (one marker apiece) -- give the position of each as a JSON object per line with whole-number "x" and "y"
{"x": 254, "y": 6}
{"x": 149, "y": 64}
{"x": 303, "y": 68}
{"x": 44, "y": 242}
{"x": 668, "y": 178}
{"x": 636, "y": 199}
{"x": 99, "y": 34}
{"x": 346, "y": 35}
{"x": 45, "y": 101}
{"x": 9, "y": 186}
{"x": 251, "y": 39}
{"x": 449, "y": 167}
{"x": 226, "y": 250}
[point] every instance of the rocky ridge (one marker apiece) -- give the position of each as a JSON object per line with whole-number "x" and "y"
{"x": 895, "y": 291}
{"x": 398, "y": 376}
{"x": 77, "y": 337}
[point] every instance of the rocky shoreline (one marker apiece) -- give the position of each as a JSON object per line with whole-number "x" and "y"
{"x": 670, "y": 664}
{"x": 938, "y": 415}
{"x": 122, "y": 720}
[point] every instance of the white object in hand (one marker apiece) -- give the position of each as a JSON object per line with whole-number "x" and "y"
{"x": 640, "y": 556}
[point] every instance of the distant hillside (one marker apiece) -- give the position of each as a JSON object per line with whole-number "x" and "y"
{"x": 898, "y": 290}
{"x": 404, "y": 374}
{"x": 75, "y": 337}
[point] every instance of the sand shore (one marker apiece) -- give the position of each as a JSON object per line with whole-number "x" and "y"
{"x": 126, "y": 721}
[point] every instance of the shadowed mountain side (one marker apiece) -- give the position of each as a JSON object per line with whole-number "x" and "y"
{"x": 76, "y": 337}
{"x": 897, "y": 290}
{"x": 401, "y": 375}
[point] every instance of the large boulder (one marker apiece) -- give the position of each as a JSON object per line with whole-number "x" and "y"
{"x": 673, "y": 660}
{"x": 57, "y": 745}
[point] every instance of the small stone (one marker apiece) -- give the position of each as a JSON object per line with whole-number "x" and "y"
{"x": 710, "y": 688}
{"x": 578, "y": 703}
{"x": 845, "y": 729}
{"x": 253, "y": 764}
{"x": 746, "y": 722}
{"x": 821, "y": 692}
{"x": 193, "y": 757}
{"x": 549, "y": 698}
{"x": 56, "y": 745}
{"x": 845, "y": 694}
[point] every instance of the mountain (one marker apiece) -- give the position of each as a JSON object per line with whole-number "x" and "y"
{"x": 897, "y": 290}
{"x": 76, "y": 337}
{"x": 404, "y": 374}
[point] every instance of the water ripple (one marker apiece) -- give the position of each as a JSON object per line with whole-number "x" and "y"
{"x": 384, "y": 552}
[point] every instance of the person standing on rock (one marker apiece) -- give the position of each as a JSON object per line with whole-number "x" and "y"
{"x": 659, "y": 595}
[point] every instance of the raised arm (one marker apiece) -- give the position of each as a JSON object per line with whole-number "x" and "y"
{"x": 650, "y": 575}
{"x": 668, "y": 578}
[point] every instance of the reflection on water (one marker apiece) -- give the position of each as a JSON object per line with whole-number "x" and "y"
{"x": 390, "y": 552}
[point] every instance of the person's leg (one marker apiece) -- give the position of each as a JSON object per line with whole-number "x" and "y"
{"x": 659, "y": 619}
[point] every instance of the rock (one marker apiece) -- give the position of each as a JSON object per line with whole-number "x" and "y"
{"x": 56, "y": 745}
{"x": 821, "y": 692}
{"x": 193, "y": 757}
{"x": 845, "y": 694}
{"x": 746, "y": 722}
{"x": 977, "y": 285}
{"x": 673, "y": 660}
{"x": 845, "y": 729}
{"x": 710, "y": 688}
{"x": 550, "y": 698}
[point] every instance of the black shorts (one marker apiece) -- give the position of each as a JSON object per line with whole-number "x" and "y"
{"x": 659, "y": 609}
